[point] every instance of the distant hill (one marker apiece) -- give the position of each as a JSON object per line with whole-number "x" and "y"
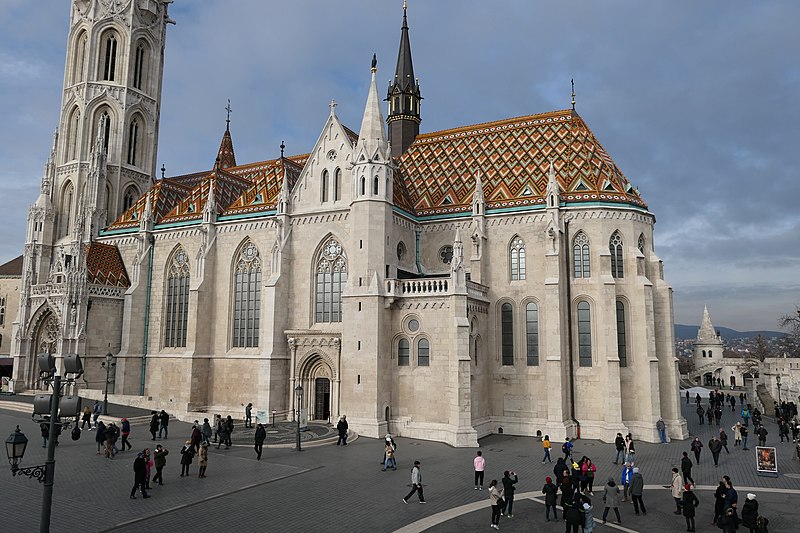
{"x": 690, "y": 332}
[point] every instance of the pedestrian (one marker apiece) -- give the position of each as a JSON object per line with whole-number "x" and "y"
{"x": 479, "y": 464}
{"x": 187, "y": 454}
{"x": 690, "y": 502}
{"x": 687, "y": 396}
{"x": 261, "y": 436}
{"x": 206, "y": 431}
{"x": 546, "y": 446}
{"x": 700, "y": 413}
{"x": 567, "y": 489}
{"x": 744, "y": 431}
{"x": 196, "y": 437}
{"x": 719, "y": 502}
{"x": 154, "y": 424}
{"x": 416, "y": 484}
{"x": 109, "y": 440}
{"x": 718, "y": 415}
{"x": 163, "y": 429}
{"x": 508, "y": 493}
{"x": 496, "y": 501}
{"x": 686, "y": 468}
{"x": 148, "y": 464}
{"x": 388, "y": 454}
{"x": 737, "y": 434}
{"x": 45, "y": 427}
{"x": 222, "y": 428}
{"x": 587, "y": 476}
{"x": 341, "y": 427}
{"x": 115, "y": 438}
{"x": 248, "y": 416}
{"x": 566, "y": 448}
{"x": 139, "y": 473}
{"x": 723, "y": 439}
{"x": 761, "y": 524}
{"x": 217, "y": 425}
{"x": 677, "y": 489}
{"x": 202, "y": 460}
{"x": 733, "y": 404}
{"x": 762, "y": 435}
{"x": 625, "y": 480}
{"x": 588, "y": 518}
{"x": 611, "y": 499}
{"x": 662, "y": 430}
{"x": 619, "y": 444}
{"x": 696, "y": 448}
{"x": 730, "y": 521}
{"x": 160, "y": 461}
{"x": 86, "y": 419}
{"x": 126, "y": 431}
{"x": 559, "y": 469}
{"x": 715, "y": 447}
{"x": 746, "y": 414}
{"x": 100, "y": 436}
{"x": 637, "y": 490}
{"x": 630, "y": 449}
{"x": 710, "y": 415}
{"x": 550, "y": 494}
{"x": 731, "y": 496}
{"x": 697, "y": 399}
{"x": 573, "y": 515}
{"x": 97, "y": 409}
{"x": 228, "y": 432}
{"x": 750, "y": 512}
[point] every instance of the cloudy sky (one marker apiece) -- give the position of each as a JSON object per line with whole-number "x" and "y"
{"x": 697, "y": 102}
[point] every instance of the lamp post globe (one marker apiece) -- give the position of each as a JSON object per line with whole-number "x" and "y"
{"x": 299, "y": 397}
{"x": 107, "y": 364}
{"x": 15, "y": 448}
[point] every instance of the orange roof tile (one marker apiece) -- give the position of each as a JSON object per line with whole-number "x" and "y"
{"x": 267, "y": 178}
{"x": 104, "y": 265}
{"x": 227, "y": 188}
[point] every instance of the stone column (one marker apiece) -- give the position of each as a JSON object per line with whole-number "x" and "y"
{"x": 337, "y": 382}
{"x": 293, "y": 378}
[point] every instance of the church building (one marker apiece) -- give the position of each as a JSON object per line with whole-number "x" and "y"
{"x": 499, "y": 277}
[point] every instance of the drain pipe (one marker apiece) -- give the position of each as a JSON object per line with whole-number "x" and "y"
{"x": 417, "y": 232}
{"x": 570, "y": 349}
{"x": 152, "y": 241}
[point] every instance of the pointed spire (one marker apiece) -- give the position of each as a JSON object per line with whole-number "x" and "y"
{"x": 210, "y": 209}
{"x": 404, "y": 73}
{"x": 283, "y": 196}
{"x": 478, "y": 199}
{"x": 552, "y": 186}
{"x": 372, "y": 136}
{"x": 226, "y": 158}
{"x": 706, "y": 331}
{"x": 146, "y": 222}
{"x": 403, "y": 97}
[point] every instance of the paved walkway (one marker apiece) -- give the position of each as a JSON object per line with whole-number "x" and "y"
{"x": 343, "y": 488}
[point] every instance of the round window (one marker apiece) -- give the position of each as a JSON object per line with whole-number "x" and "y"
{"x": 446, "y": 254}
{"x": 413, "y": 324}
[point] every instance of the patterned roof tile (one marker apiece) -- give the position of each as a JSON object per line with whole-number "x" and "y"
{"x": 104, "y": 265}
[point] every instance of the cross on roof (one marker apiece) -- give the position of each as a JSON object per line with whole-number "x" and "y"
{"x": 228, "y": 119}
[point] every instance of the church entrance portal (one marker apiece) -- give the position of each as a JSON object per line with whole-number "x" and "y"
{"x": 322, "y": 399}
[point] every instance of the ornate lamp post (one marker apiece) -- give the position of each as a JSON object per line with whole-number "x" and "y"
{"x": 273, "y": 417}
{"x": 17, "y": 442}
{"x": 299, "y": 397}
{"x": 108, "y": 364}
{"x": 778, "y": 381}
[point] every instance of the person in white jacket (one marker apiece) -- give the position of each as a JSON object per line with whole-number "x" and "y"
{"x": 496, "y": 499}
{"x": 416, "y": 484}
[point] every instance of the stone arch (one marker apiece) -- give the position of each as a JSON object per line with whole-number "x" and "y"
{"x": 316, "y": 373}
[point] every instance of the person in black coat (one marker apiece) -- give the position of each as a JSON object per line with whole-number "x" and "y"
{"x": 100, "y": 435}
{"x": 187, "y": 454}
{"x": 750, "y": 513}
{"x": 573, "y": 515}
{"x": 719, "y": 502}
{"x": 509, "y": 480}
{"x": 550, "y": 498}
{"x": 154, "y": 424}
{"x": 686, "y": 468}
{"x": 163, "y": 418}
{"x": 261, "y": 435}
{"x": 690, "y": 502}
{"x": 342, "y": 426}
{"x": 139, "y": 476}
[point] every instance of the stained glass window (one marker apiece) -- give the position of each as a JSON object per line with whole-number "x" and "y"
{"x": 584, "y": 334}
{"x": 507, "y": 333}
{"x": 331, "y": 279}
{"x": 580, "y": 256}
{"x": 247, "y": 298}
{"x": 615, "y": 247}
{"x": 177, "y": 310}
{"x": 402, "y": 352}
{"x": 532, "y": 333}
{"x": 517, "y": 253}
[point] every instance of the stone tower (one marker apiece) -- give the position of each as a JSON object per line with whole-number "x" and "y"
{"x": 404, "y": 98}
{"x": 708, "y": 345}
{"x": 101, "y": 161}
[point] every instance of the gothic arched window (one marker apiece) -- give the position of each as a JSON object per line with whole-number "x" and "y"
{"x": 247, "y": 298}
{"x": 584, "y": 334}
{"x": 73, "y": 134}
{"x": 517, "y": 259}
{"x": 109, "y": 57}
{"x": 66, "y": 210}
{"x": 177, "y": 301}
{"x": 104, "y": 128}
{"x": 133, "y": 141}
{"x": 532, "y": 333}
{"x": 641, "y": 243}
{"x": 375, "y": 186}
{"x": 129, "y": 198}
{"x": 324, "y": 186}
{"x": 337, "y": 185}
{"x": 615, "y": 247}
{"x": 622, "y": 345}
{"x": 331, "y": 277}
{"x": 2, "y": 311}
{"x": 79, "y": 60}
{"x": 139, "y": 65}
{"x": 423, "y": 353}
{"x": 403, "y": 349}
{"x": 580, "y": 256}
{"x": 507, "y": 334}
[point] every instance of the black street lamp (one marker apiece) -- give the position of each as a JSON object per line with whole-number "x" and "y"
{"x": 299, "y": 396}
{"x": 778, "y": 381}
{"x": 273, "y": 417}
{"x": 108, "y": 364}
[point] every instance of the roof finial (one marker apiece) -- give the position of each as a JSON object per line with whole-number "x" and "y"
{"x": 333, "y": 106}
{"x": 573, "y": 93}
{"x": 163, "y": 170}
{"x": 228, "y": 118}
{"x": 374, "y": 63}
{"x": 283, "y": 146}
{"x": 405, "y": 6}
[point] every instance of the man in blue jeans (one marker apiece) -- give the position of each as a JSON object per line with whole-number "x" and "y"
{"x": 662, "y": 430}
{"x": 619, "y": 442}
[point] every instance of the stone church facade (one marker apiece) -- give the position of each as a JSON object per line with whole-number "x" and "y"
{"x": 445, "y": 286}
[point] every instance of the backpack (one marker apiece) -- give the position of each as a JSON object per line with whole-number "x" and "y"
{"x": 564, "y": 448}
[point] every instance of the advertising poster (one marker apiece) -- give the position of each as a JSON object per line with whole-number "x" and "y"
{"x": 766, "y": 460}
{"x": 303, "y": 419}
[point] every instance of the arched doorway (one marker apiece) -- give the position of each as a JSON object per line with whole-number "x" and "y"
{"x": 322, "y": 399}
{"x": 708, "y": 379}
{"x": 45, "y": 340}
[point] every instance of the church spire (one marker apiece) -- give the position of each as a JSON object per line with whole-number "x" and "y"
{"x": 372, "y": 137}
{"x": 403, "y": 97}
{"x": 226, "y": 156}
{"x": 706, "y": 331}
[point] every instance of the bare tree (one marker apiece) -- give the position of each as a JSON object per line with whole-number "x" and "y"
{"x": 761, "y": 350}
{"x": 791, "y": 343}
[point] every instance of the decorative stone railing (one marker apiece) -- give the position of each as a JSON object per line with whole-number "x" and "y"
{"x": 107, "y": 291}
{"x": 406, "y": 288}
{"x": 48, "y": 289}
{"x": 476, "y": 290}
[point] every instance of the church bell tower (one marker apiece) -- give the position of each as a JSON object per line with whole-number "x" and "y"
{"x": 404, "y": 98}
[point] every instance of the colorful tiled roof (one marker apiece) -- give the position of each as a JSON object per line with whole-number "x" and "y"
{"x": 225, "y": 156}
{"x": 164, "y": 196}
{"x": 104, "y": 265}
{"x": 227, "y": 189}
{"x": 267, "y": 179}
{"x": 513, "y": 157}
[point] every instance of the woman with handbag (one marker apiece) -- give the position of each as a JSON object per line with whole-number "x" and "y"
{"x": 496, "y": 499}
